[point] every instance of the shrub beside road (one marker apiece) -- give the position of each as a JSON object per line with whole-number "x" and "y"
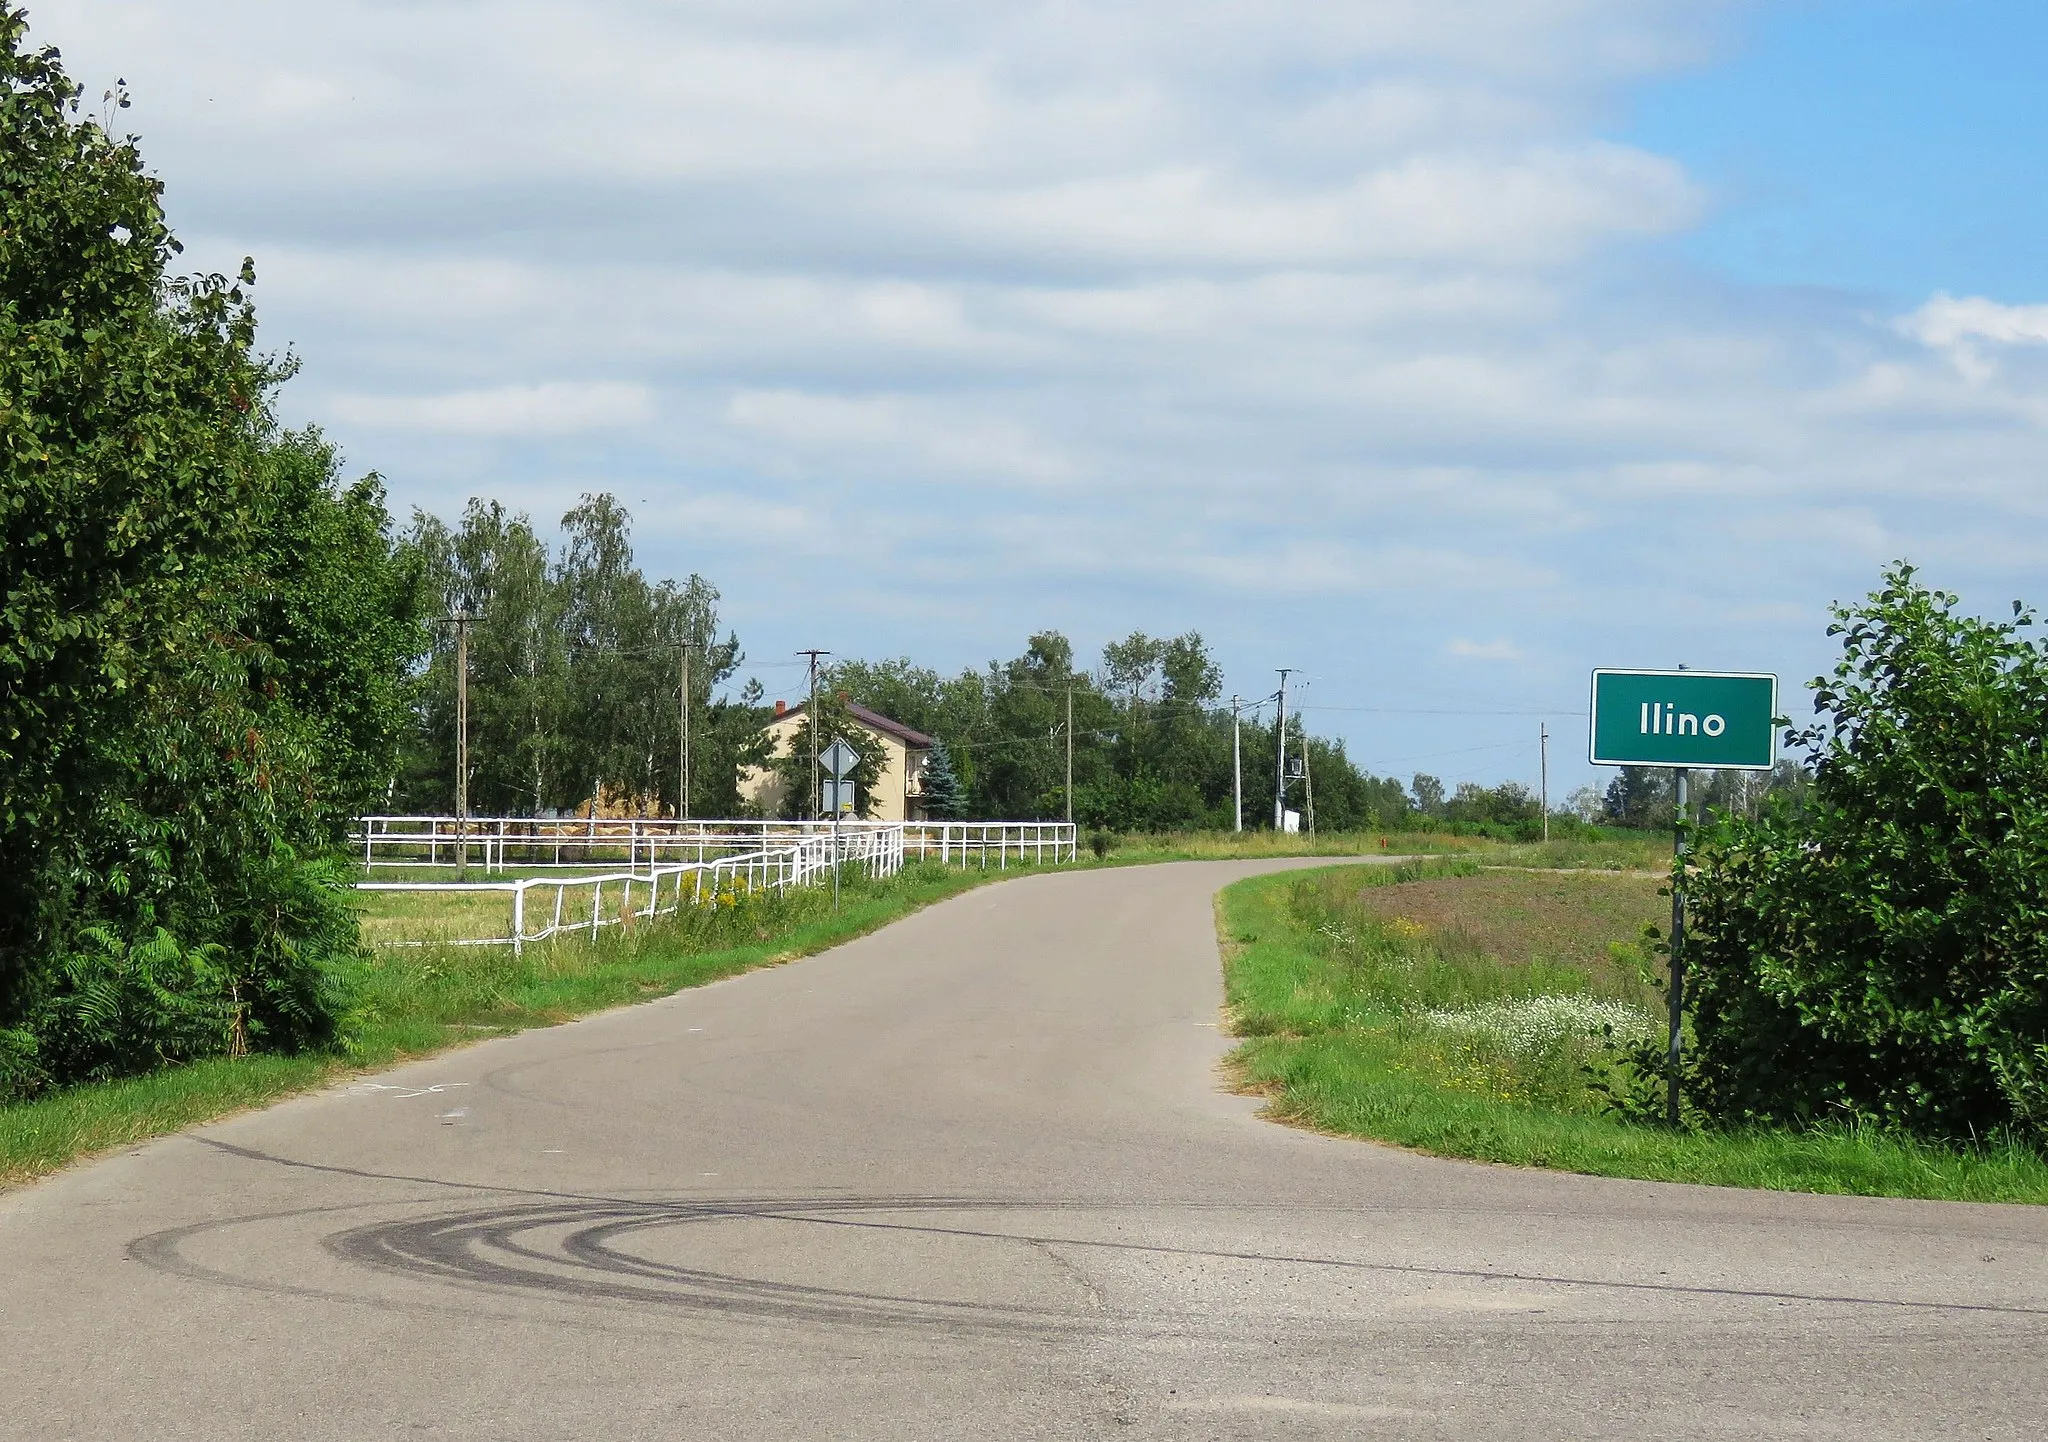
{"x": 1487, "y": 1015}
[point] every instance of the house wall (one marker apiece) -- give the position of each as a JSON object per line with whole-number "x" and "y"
{"x": 763, "y": 788}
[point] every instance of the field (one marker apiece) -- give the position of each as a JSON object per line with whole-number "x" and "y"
{"x": 1468, "y": 1012}
{"x": 391, "y": 918}
{"x": 412, "y": 918}
{"x": 1621, "y": 851}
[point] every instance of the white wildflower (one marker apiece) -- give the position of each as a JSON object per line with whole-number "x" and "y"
{"x": 1537, "y": 1023}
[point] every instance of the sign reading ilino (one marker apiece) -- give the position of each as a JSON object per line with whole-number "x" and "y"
{"x": 1722, "y": 719}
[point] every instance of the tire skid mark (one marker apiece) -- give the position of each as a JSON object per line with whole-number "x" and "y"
{"x": 844, "y": 1211}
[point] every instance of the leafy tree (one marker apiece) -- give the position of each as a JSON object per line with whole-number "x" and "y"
{"x": 1151, "y": 746}
{"x": 1641, "y": 797}
{"x": 900, "y": 689}
{"x": 1510, "y": 804}
{"x": 1019, "y": 745}
{"x": 1429, "y": 794}
{"x": 204, "y": 635}
{"x": 575, "y": 671}
{"x": 1879, "y": 952}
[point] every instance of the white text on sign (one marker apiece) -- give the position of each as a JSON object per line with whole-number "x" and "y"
{"x": 1662, "y": 720}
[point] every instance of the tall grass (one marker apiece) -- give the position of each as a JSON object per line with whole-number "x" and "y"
{"x": 1358, "y": 1025}
{"x": 1618, "y": 852}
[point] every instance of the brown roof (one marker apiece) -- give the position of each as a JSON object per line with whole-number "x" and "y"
{"x": 876, "y": 721}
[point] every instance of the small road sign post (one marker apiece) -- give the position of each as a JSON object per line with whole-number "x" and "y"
{"x": 1679, "y": 719}
{"x": 840, "y": 761}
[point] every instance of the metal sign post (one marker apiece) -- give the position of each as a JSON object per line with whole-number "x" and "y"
{"x": 841, "y": 760}
{"x": 1676, "y": 720}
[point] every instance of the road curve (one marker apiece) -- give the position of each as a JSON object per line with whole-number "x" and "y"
{"x": 970, "y": 1177}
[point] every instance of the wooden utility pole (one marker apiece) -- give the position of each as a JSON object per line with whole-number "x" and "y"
{"x": 1070, "y": 752}
{"x": 1543, "y": 774}
{"x": 461, "y": 620}
{"x": 811, "y": 725}
{"x": 1308, "y": 785}
{"x": 683, "y": 715}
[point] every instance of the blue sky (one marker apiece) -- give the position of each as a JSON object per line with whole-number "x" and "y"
{"x": 1893, "y": 146}
{"x": 1443, "y": 352}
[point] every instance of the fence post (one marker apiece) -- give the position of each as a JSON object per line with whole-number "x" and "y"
{"x": 519, "y": 919}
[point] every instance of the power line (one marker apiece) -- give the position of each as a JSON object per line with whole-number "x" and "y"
{"x": 1521, "y": 746}
{"x": 1412, "y": 711}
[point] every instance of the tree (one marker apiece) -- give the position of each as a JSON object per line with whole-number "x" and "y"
{"x": 1878, "y": 952}
{"x": 1429, "y": 794}
{"x": 204, "y": 635}
{"x": 575, "y": 670}
{"x": 1642, "y": 797}
{"x": 943, "y": 798}
{"x": 1510, "y": 805}
{"x": 900, "y": 689}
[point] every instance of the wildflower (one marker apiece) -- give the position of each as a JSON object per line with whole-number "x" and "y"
{"x": 1533, "y": 1024}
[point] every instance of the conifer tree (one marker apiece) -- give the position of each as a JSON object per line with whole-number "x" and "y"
{"x": 943, "y": 800}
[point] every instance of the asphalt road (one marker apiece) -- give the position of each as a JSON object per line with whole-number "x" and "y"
{"x": 971, "y": 1177}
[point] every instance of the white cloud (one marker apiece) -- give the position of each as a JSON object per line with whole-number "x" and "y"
{"x": 1946, "y": 321}
{"x": 1343, "y": 325}
{"x": 895, "y": 430}
{"x": 1968, "y": 331}
{"x": 552, "y": 408}
{"x": 1465, "y": 650}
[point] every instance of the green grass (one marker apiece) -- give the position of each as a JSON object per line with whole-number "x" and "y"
{"x": 1352, "y": 1015}
{"x": 411, "y": 1003}
{"x": 1621, "y": 852}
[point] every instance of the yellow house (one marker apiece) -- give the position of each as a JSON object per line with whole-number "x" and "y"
{"x": 898, "y": 793}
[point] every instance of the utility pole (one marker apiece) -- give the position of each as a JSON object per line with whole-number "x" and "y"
{"x": 1308, "y": 783}
{"x": 683, "y": 714}
{"x": 1070, "y": 753}
{"x": 1543, "y": 774}
{"x": 1236, "y": 769}
{"x": 811, "y": 725}
{"x": 1280, "y": 757}
{"x": 461, "y": 621}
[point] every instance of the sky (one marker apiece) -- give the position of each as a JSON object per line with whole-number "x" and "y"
{"x": 1440, "y": 352}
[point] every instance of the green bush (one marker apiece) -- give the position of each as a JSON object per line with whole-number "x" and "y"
{"x": 204, "y": 636}
{"x": 1878, "y": 955}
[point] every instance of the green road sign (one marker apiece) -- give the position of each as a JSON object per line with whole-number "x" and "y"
{"x": 1723, "y": 719}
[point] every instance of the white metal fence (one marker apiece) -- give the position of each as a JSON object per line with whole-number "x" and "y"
{"x": 545, "y": 906}
{"x": 505, "y": 843}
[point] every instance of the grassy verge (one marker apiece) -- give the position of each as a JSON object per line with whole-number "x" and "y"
{"x": 1625, "y": 852}
{"x": 1456, "y": 1012}
{"x": 412, "y": 1003}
